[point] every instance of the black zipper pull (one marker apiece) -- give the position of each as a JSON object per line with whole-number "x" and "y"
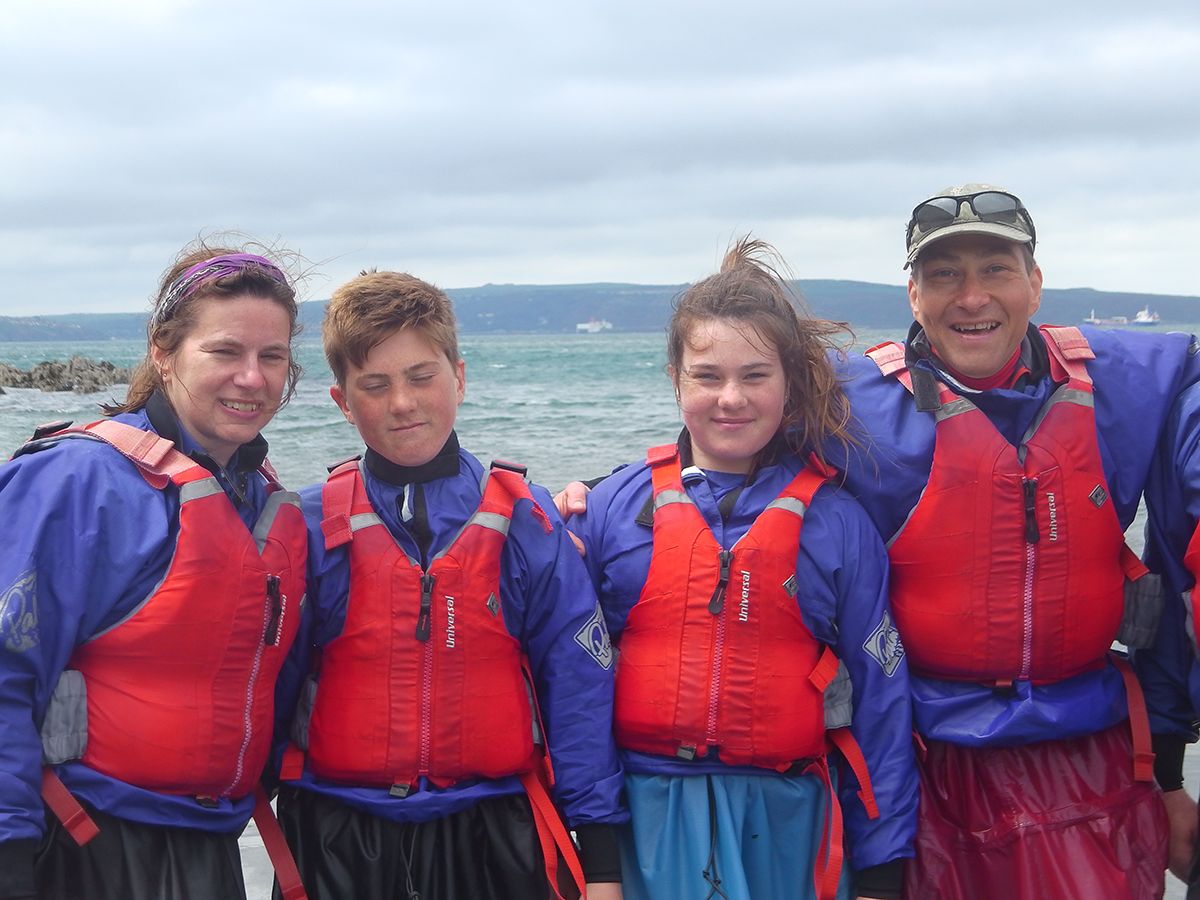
{"x": 276, "y": 600}
{"x": 1031, "y": 526}
{"x": 424, "y": 620}
{"x": 718, "y": 598}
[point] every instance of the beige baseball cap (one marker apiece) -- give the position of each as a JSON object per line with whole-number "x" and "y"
{"x": 969, "y": 209}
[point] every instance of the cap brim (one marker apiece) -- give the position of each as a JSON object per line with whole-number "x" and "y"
{"x": 997, "y": 229}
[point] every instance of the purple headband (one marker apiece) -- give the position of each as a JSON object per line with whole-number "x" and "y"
{"x": 217, "y": 267}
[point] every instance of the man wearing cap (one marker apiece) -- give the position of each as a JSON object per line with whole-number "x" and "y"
{"x": 1002, "y": 464}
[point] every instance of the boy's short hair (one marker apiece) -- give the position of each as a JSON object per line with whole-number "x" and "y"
{"x": 367, "y": 310}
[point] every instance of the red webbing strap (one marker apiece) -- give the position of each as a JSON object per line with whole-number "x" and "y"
{"x": 1068, "y": 349}
{"x": 889, "y": 356}
{"x": 824, "y": 470}
{"x": 286, "y": 872}
{"x": 824, "y": 671}
{"x": 1133, "y": 567}
{"x": 337, "y": 499}
{"x": 292, "y": 766}
{"x": 658, "y": 455}
{"x": 156, "y": 457}
{"x": 844, "y": 741}
{"x": 541, "y": 756}
{"x": 828, "y": 870}
{"x": 268, "y": 472}
{"x": 64, "y": 805}
{"x": 552, "y": 834}
{"x": 1139, "y": 722}
{"x": 517, "y": 489}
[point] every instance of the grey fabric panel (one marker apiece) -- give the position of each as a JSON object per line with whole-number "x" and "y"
{"x": 1143, "y": 609}
{"x": 304, "y": 711}
{"x": 839, "y": 699}
{"x": 197, "y": 490}
{"x": 494, "y": 521}
{"x": 1188, "y": 623}
{"x": 953, "y": 408}
{"x": 64, "y": 731}
{"x": 1079, "y": 398}
{"x": 790, "y": 504}
{"x": 665, "y": 497}
{"x": 364, "y": 520}
{"x": 266, "y": 518}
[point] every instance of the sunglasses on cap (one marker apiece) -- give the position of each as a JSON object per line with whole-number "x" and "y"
{"x": 998, "y": 207}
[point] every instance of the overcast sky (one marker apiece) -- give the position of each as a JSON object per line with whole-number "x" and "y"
{"x": 473, "y": 141}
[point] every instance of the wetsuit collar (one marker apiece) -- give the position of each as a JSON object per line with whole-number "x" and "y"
{"x": 248, "y": 457}
{"x": 444, "y": 465}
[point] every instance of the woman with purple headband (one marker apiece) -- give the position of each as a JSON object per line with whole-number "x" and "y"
{"x": 150, "y": 586}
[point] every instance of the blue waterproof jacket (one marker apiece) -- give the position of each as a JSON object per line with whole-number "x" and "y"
{"x": 1169, "y": 670}
{"x": 1136, "y": 378}
{"x": 86, "y": 540}
{"x": 841, "y": 569}
{"x": 549, "y": 606}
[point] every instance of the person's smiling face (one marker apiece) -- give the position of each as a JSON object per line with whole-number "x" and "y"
{"x": 404, "y": 398}
{"x": 731, "y": 391}
{"x": 974, "y": 295}
{"x": 225, "y": 380}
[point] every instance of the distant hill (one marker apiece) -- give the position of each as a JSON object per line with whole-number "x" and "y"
{"x": 557, "y": 308}
{"x": 74, "y": 327}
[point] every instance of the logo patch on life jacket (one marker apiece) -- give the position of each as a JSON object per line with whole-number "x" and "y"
{"x": 791, "y": 586}
{"x": 1098, "y": 496}
{"x": 18, "y": 614}
{"x": 493, "y": 605}
{"x": 883, "y": 645}
{"x": 593, "y": 637}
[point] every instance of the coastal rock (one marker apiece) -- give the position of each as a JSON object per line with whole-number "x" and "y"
{"x": 78, "y": 374}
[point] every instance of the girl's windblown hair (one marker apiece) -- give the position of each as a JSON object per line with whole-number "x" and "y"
{"x": 754, "y": 287}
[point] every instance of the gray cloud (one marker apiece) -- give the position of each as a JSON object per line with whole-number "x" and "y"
{"x": 550, "y": 142}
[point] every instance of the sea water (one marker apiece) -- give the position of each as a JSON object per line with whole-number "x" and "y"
{"x": 565, "y": 406}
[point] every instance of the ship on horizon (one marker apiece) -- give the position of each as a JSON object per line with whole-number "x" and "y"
{"x": 593, "y": 327}
{"x": 1144, "y": 316}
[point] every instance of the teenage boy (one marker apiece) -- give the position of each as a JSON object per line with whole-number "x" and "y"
{"x": 452, "y": 635}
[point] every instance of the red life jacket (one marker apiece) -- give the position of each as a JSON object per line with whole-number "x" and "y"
{"x": 424, "y": 679}
{"x": 715, "y": 652}
{"x": 1010, "y": 566}
{"x": 180, "y": 693}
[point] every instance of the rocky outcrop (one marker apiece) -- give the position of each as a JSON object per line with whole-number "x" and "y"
{"x": 83, "y": 376}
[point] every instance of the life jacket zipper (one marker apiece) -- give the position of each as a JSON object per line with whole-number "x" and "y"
{"x": 270, "y": 618}
{"x": 1032, "y": 536}
{"x": 423, "y": 631}
{"x": 716, "y": 606}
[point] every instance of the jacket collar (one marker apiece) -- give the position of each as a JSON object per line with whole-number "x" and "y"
{"x": 248, "y": 457}
{"x": 444, "y": 465}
